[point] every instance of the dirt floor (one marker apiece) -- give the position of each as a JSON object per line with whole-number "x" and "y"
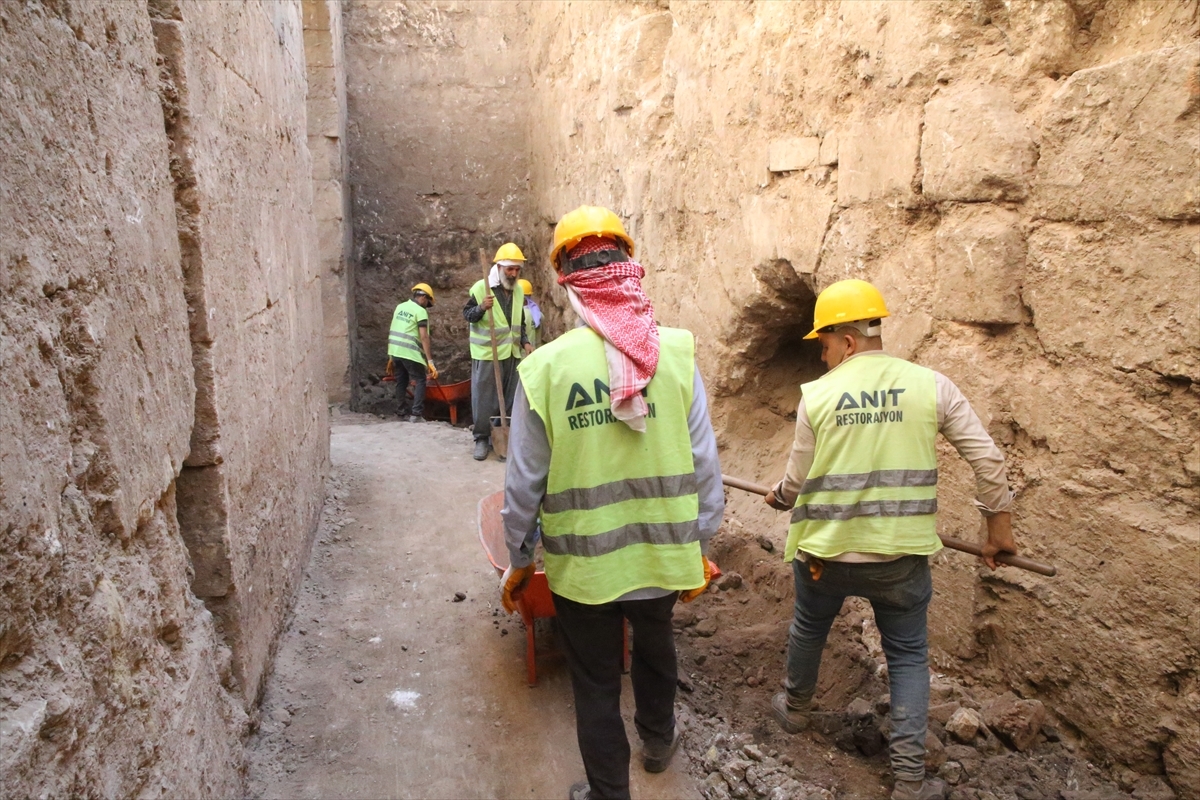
{"x": 399, "y": 677}
{"x": 386, "y": 685}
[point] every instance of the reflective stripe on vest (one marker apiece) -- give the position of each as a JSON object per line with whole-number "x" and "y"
{"x": 872, "y": 487}
{"x": 621, "y": 508}
{"x": 620, "y": 491}
{"x": 508, "y": 335}
{"x": 403, "y": 341}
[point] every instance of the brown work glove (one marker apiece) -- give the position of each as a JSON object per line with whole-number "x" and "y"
{"x": 512, "y": 583}
{"x": 692, "y": 594}
{"x": 431, "y": 371}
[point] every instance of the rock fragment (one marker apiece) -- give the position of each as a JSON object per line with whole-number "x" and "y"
{"x": 963, "y": 725}
{"x": 1017, "y": 722}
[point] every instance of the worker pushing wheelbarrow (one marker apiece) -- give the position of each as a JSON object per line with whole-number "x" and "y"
{"x": 611, "y": 456}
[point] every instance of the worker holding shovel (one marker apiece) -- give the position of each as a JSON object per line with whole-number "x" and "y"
{"x": 861, "y": 485}
{"x": 495, "y": 311}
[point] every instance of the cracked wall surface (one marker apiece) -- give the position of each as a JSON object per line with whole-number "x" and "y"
{"x": 1019, "y": 178}
{"x": 163, "y": 422}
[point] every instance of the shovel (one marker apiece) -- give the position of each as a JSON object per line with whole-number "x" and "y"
{"x": 954, "y": 544}
{"x": 500, "y": 432}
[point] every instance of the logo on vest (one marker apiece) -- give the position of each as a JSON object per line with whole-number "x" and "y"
{"x": 879, "y": 399}
{"x": 579, "y": 398}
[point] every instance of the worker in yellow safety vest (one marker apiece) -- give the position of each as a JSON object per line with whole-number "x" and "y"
{"x": 612, "y": 449}
{"x": 410, "y": 351}
{"x": 533, "y": 315}
{"x": 861, "y": 485}
{"x": 501, "y": 305}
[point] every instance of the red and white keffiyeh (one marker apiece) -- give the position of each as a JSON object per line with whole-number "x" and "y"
{"x": 610, "y": 300}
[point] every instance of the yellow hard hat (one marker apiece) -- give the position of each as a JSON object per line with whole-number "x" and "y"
{"x": 847, "y": 301}
{"x": 583, "y": 222}
{"x": 424, "y": 287}
{"x": 526, "y": 287}
{"x": 508, "y": 252}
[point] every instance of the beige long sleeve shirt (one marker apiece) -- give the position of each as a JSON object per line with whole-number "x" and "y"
{"x": 957, "y": 421}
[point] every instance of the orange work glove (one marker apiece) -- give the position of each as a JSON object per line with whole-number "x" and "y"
{"x": 512, "y": 582}
{"x": 692, "y": 594}
{"x": 431, "y": 371}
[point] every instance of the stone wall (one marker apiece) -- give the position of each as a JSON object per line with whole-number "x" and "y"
{"x": 323, "y": 49}
{"x": 1020, "y": 179}
{"x": 438, "y": 97}
{"x": 162, "y": 404}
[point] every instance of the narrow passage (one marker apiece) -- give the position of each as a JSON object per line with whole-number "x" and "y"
{"x": 385, "y": 685}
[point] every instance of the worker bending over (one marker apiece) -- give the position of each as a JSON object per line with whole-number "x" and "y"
{"x": 533, "y": 315}
{"x": 861, "y": 484}
{"x": 611, "y": 443}
{"x": 409, "y": 349}
{"x": 501, "y": 303}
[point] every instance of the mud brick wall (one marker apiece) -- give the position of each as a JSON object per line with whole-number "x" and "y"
{"x": 1020, "y": 179}
{"x": 163, "y": 427}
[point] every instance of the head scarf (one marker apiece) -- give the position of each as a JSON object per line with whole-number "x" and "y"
{"x": 611, "y": 301}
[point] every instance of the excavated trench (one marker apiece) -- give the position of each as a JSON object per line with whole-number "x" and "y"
{"x": 879, "y": 145}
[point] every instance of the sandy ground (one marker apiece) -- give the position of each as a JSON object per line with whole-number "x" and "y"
{"x": 384, "y": 685}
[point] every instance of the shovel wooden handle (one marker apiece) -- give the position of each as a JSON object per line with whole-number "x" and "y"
{"x": 1007, "y": 559}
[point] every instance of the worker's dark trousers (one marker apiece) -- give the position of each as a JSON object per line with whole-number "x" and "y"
{"x": 899, "y": 592}
{"x": 591, "y": 637}
{"x": 483, "y": 393}
{"x": 406, "y": 371}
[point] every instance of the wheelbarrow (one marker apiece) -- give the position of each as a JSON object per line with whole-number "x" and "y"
{"x": 534, "y": 602}
{"x": 448, "y": 394}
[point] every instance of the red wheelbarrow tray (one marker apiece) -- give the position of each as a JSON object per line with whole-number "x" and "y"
{"x": 535, "y": 601}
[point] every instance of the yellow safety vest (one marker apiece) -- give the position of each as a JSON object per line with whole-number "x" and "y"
{"x": 404, "y": 339}
{"x": 873, "y": 483}
{"x": 621, "y": 508}
{"x": 508, "y": 334}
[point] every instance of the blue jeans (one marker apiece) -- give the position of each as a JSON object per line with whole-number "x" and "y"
{"x": 899, "y": 591}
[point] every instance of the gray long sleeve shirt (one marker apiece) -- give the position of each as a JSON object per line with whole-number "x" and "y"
{"x": 529, "y": 466}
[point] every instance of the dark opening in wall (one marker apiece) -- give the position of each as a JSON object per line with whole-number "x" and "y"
{"x": 769, "y": 335}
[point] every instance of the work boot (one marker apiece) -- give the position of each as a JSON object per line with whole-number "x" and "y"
{"x": 656, "y": 753}
{"x": 791, "y": 713}
{"x": 928, "y": 789}
{"x": 481, "y": 448}
{"x": 580, "y": 791}
{"x": 416, "y": 418}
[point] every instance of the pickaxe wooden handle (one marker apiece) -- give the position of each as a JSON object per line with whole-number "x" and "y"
{"x": 954, "y": 544}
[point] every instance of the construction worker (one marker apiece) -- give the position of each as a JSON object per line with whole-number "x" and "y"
{"x": 612, "y": 446}
{"x": 409, "y": 349}
{"x": 861, "y": 485}
{"x": 533, "y": 315}
{"x": 501, "y": 305}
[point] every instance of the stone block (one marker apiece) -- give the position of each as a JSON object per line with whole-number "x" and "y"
{"x": 318, "y": 48}
{"x": 878, "y": 158}
{"x": 642, "y": 46}
{"x": 976, "y": 146}
{"x": 787, "y": 225}
{"x": 980, "y": 254}
{"x": 964, "y": 724}
{"x": 1124, "y": 139}
{"x": 793, "y": 153}
{"x": 828, "y": 155}
{"x": 1016, "y": 721}
{"x": 1122, "y": 293}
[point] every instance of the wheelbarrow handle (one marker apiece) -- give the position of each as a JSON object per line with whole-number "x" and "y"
{"x": 1007, "y": 559}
